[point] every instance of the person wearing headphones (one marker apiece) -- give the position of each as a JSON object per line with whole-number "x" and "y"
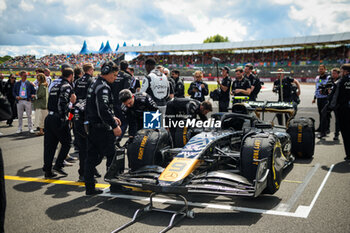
{"x": 103, "y": 126}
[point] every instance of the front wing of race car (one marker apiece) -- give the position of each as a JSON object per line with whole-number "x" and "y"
{"x": 214, "y": 183}
{"x": 178, "y": 177}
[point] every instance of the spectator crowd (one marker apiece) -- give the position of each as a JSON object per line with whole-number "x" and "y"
{"x": 305, "y": 56}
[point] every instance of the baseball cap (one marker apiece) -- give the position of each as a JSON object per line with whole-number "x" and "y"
{"x": 226, "y": 68}
{"x": 239, "y": 68}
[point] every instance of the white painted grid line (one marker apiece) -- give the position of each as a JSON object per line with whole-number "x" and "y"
{"x": 301, "y": 212}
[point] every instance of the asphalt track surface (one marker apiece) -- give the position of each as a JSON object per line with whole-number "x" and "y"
{"x": 314, "y": 195}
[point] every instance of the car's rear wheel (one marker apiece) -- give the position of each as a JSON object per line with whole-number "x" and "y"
{"x": 260, "y": 146}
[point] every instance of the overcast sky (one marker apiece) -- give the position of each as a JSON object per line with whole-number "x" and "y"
{"x": 42, "y": 27}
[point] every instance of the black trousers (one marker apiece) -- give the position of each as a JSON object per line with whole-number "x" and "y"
{"x": 101, "y": 142}
{"x": 337, "y": 126}
{"x": 55, "y": 131}
{"x": 14, "y": 112}
{"x": 223, "y": 106}
{"x": 82, "y": 143}
{"x": 252, "y": 98}
{"x": 321, "y": 103}
{"x": 2, "y": 194}
{"x": 344, "y": 116}
{"x": 325, "y": 120}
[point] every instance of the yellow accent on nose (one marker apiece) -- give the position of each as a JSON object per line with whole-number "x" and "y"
{"x": 178, "y": 169}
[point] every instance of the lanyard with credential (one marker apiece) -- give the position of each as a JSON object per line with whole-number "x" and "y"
{"x": 23, "y": 91}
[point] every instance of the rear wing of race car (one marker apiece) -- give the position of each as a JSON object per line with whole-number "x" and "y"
{"x": 273, "y": 107}
{"x": 260, "y": 107}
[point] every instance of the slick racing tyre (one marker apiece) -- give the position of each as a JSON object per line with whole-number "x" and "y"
{"x": 146, "y": 148}
{"x": 181, "y": 137}
{"x": 260, "y": 146}
{"x": 302, "y": 132}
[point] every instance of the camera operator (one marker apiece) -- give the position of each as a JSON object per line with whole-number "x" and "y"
{"x": 288, "y": 92}
{"x": 321, "y": 80}
{"x": 329, "y": 90}
{"x": 341, "y": 103}
{"x": 225, "y": 85}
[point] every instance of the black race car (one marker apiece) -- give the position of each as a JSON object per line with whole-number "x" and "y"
{"x": 245, "y": 157}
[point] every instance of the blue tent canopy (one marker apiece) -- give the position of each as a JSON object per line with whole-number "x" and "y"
{"x": 117, "y": 47}
{"x": 124, "y": 44}
{"x": 106, "y": 49}
{"x": 84, "y": 49}
{"x": 101, "y": 47}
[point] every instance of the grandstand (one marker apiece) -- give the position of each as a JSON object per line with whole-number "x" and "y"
{"x": 300, "y": 55}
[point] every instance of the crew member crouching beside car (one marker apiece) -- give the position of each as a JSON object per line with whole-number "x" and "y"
{"x": 133, "y": 106}
{"x": 181, "y": 109}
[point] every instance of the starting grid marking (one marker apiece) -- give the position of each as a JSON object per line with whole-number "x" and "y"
{"x": 52, "y": 181}
{"x": 302, "y": 211}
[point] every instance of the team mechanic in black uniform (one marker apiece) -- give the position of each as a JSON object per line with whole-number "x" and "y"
{"x": 330, "y": 89}
{"x": 189, "y": 107}
{"x": 254, "y": 82}
{"x": 133, "y": 107}
{"x": 81, "y": 86}
{"x": 290, "y": 89}
{"x": 341, "y": 104}
{"x": 179, "y": 87}
{"x": 185, "y": 108}
{"x": 225, "y": 85}
{"x": 103, "y": 126}
{"x": 56, "y": 123}
{"x": 123, "y": 81}
{"x": 135, "y": 85}
{"x": 241, "y": 86}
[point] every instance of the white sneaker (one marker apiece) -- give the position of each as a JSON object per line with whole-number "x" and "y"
{"x": 68, "y": 164}
{"x": 31, "y": 131}
{"x": 19, "y": 131}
